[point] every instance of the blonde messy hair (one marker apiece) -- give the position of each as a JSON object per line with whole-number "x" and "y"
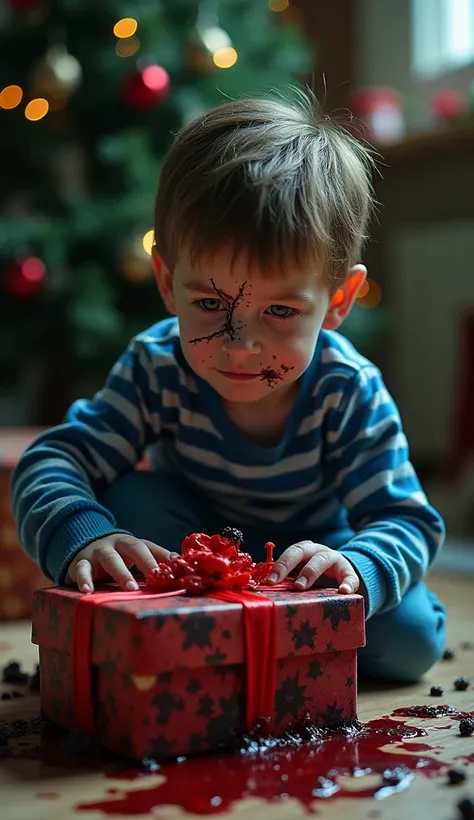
{"x": 274, "y": 178}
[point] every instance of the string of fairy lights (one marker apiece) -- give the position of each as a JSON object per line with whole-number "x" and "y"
{"x": 211, "y": 38}
{"x": 58, "y": 75}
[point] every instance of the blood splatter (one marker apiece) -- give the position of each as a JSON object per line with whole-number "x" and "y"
{"x": 321, "y": 765}
{"x": 230, "y": 303}
{"x": 281, "y": 769}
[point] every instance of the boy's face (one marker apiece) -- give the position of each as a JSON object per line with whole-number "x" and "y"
{"x": 249, "y": 336}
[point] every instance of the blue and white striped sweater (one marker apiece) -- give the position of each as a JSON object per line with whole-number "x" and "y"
{"x": 342, "y": 463}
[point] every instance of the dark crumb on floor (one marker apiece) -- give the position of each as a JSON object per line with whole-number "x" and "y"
{"x": 466, "y": 808}
{"x": 456, "y": 776}
{"x": 436, "y": 691}
{"x": 466, "y": 727}
{"x": 12, "y": 674}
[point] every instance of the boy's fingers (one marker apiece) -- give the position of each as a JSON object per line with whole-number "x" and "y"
{"x": 115, "y": 566}
{"x": 290, "y": 559}
{"x": 330, "y": 562}
{"x": 160, "y": 553}
{"x": 83, "y": 575}
{"x": 139, "y": 553}
{"x": 350, "y": 582}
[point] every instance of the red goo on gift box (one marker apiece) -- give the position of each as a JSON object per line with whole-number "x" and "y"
{"x": 172, "y": 673}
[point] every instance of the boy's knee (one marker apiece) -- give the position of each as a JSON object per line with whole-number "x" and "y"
{"x": 416, "y": 648}
{"x": 404, "y": 643}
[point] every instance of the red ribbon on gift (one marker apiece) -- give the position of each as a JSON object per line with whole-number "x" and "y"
{"x": 260, "y": 649}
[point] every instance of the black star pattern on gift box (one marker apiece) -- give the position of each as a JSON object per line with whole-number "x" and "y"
{"x": 194, "y": 686}
{"x": 336, "y": 610}
{"x": 291, "y": 611}
{"x": 55, "y": 672}
{"x": 198, "y": 629}
{"x": 196, "y": 742}
{"x": 227, "y": 634}
{"x": 111, "y": 703}
{"x": 227, "y": 724}
{"x": 290, "y": 698}
{"x": 206, "y": 706}
{"x": 159, "y": 621}
{"x": 332, "y": 716}
{"x": 165, "y": 677}
{"x": 166, "y": 702}
{"x": 161, "y": 748}
{"x": 304, "y": 636}
{"x": 125, "y": 746}
{"x": 350, "y": 681}
{"x": 109, "y": 668}
{"x": 110, "y": 624}
{"x": 216, "y": 659}
{"x": 231, "y": 669}
{"x": 314, "y": 670}
{"x": 54, "y": 620}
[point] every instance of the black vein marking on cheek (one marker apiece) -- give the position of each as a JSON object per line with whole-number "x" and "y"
{"x": 227, "y": 328}
{"x": 273, "y": 376}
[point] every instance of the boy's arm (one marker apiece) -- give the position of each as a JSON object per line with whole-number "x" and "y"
{"x": 55, "y": 483}
{"x": 397, "y": 533}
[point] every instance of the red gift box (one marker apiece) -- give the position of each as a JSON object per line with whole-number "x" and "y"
{"x": 169, "y": 674}
{"x": 19, "y": 575}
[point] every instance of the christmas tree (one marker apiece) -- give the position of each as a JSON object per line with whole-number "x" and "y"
{"x": 90, "y": 96}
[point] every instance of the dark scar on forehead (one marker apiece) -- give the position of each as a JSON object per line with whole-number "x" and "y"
{"x": 272, "y": 376}
{"x": 227, "y": 328}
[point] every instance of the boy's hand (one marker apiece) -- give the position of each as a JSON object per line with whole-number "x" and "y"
{"x": 113, "y": 556}
{"x": 317, "y": 560}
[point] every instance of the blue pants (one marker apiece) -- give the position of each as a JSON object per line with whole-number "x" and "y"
{"x": 402, "y": 644}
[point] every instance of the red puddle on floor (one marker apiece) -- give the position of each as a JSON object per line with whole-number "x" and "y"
{"x": 277, "y": 771}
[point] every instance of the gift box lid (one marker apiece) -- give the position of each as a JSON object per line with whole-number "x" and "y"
{"x": 144, "y": 637}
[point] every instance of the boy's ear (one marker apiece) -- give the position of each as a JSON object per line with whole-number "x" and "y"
{"x": 344, "y": 297}
{"x": 164, "y": 280}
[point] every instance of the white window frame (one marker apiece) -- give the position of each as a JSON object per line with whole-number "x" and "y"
{"x": 442, "y": 36}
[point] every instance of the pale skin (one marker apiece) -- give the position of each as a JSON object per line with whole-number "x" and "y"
{"x": 271, "y": 332}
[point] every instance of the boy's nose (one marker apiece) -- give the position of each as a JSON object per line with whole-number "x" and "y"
{"x": 242, "y": 346}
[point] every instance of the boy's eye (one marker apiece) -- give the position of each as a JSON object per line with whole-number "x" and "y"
{"x": 211, "y": 305}
{"x": 282, "y": 311}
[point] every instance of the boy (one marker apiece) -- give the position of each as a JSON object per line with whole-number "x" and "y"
{"x": 255, "y": 412}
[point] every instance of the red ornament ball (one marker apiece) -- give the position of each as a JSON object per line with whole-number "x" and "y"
{"x": 26, "y": 277}
{"x": 147, "y": 87}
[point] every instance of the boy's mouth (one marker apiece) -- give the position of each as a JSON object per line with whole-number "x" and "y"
{"x": 238, "y": 375}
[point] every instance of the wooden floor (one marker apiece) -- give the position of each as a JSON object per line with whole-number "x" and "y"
{"x": 60, "y": 791}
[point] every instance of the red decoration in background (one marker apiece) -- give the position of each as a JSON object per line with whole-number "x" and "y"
{"x": 147, "y": 87}
{"x": 26, "y": 277}
{"x": 210, "y": 562}
{"x": 447, "y": 104}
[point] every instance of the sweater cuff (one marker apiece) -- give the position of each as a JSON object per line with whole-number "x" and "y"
{"x": 72, "y": 535}
{"x": 372, "y": 576}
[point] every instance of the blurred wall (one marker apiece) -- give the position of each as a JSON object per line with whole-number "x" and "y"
{"x": 422, "y": 251}
{"x": 383, "y": 48}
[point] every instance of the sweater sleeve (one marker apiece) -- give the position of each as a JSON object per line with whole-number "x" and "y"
{"x": 56, "y": 482}
{"x": 397, "y": 533}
